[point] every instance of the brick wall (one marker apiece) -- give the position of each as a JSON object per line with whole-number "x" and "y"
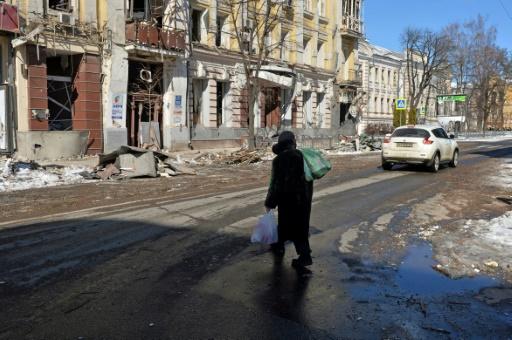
{"x": 37, "y": 86}
{"x": 87, "y": 105}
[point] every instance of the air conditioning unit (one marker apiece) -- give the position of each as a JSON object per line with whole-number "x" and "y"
{"x": 246, "y": 37}
{"x": 66, "y": 19}
{"x": 248, "y": 24}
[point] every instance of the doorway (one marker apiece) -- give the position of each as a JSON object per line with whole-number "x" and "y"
{"x": 145, "y": 101}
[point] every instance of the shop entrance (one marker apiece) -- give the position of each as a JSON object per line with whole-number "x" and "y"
{"x": 144, "y": 121}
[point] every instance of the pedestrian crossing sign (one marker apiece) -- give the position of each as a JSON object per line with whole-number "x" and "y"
{"x": 401, "y": 104}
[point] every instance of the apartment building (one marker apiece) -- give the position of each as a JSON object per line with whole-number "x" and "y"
{"x": 308, "y": 76}
{"x": 382, "y": 85}
{"x": 145, "y": 68}
{"x": 92, "y": 75}
{"x": 57, "y": 75}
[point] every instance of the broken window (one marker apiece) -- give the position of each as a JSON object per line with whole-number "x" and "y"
{"x": 344, "y": 107}
{"x": 222, "y": 91}
{"x": 200, "y": 101}
{"x": 284, "y": 46}
{"x": 61, "y": 72}
{"x": 196, "y": 25}
{"x": 60, "y": 5}
{"x": 221, "y": 34}
{"x": 306, "y": 97}
{"x": 320, "y": 108}
{"x": 145, "y": 87}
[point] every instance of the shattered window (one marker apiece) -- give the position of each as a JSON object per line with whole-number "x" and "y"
{"x": 411, "y": 132}
{"x": 60, "y": 5}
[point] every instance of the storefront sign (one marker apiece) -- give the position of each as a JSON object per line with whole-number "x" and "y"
{"x": 177, "y": 105}
{"x": 118, "y": 109}
{"x": 451, "y": 98}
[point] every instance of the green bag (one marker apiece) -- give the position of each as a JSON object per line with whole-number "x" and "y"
{"x": 315, "y": 165}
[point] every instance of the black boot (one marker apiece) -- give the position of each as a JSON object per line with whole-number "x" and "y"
{"x": 302, "y": 261}
{"x": 277, "y": 249}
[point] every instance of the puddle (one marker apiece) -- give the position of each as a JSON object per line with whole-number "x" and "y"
{"x": 416, "y": 276}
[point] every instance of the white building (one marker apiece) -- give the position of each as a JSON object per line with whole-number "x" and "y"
{"x": 382, "y": 85}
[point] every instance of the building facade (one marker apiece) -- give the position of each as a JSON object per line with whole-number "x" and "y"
{"x": 90, "y": 76}
{"x": 382, "y": 85}
{"x": 9, "y": 26}
{"x": 57, "y": 76}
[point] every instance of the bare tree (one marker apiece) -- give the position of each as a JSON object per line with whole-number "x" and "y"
{"x": 426, "y": 59}
{"x": 489, "y": 66}
{"x": 253, "y": 24}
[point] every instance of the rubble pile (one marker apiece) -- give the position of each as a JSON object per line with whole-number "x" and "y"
{"x": 19, "y": 175}
{"x": 132, "y": 162}
{"x": 239, "y": 157}
{"x": 342, "y": 147}
{"x": 369, "y": 143}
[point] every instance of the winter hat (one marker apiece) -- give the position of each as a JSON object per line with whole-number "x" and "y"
{"x": 286, "y": 140}
{"x": 286, "y": 136}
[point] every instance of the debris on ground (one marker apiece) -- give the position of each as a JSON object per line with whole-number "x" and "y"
{"x": 132, "y": 162}
{"x": 492, "y": 264}
{"x": 238, "y": 157}
{"x": 369, "y": 143}
{"x": 22, "y": 175}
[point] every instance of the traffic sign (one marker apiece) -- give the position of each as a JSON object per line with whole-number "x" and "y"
{"x": 401, "y": 104}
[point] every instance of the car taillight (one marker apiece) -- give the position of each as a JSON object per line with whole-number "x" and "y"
{"x": 387, "y": 140}
{"x": 427, "y": 141}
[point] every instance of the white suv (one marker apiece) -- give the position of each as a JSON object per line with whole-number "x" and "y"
{"x": 419, "y": 144}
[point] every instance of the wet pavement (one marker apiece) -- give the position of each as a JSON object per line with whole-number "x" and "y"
{"x": 183, "y": 267}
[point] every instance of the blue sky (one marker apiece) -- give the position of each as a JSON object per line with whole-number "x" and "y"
{"x": 385, "y": 20}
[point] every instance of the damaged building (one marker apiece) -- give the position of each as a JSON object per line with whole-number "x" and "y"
{"x": 9, "y": 27}
{"x": 92, "y": 75}
{"x": 145, "y": 71}
{"x": 58, "y": 79}
{"x": 306, "y": 83}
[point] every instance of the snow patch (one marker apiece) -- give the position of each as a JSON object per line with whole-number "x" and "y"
{"x": 497, "y": 231}
{"x": 24, "y": 179}
{"x": 504, "y": 177}
{"x": 427, "y": 232}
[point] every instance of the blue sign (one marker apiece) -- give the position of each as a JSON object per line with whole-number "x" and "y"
{"x": 401, "y": 104}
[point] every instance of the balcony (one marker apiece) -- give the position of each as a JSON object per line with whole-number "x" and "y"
{"x": 350, "y": 77}
{"x": 351, "y": 26}
{"x": 145, "y": 34}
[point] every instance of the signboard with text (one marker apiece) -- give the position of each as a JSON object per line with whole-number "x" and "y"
{"x": 118, "y": 109}
{"x": 451, "y": 98}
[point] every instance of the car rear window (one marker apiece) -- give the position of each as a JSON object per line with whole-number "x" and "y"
{"x": 411, "y": 132}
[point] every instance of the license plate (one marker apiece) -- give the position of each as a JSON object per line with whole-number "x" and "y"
{"x": 404, "y": 145}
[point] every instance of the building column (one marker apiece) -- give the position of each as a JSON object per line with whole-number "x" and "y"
{"x": 37, "y": 86}
{"x": 87, "y": 107}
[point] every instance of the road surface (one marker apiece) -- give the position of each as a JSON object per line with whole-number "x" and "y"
{"x": 183, "y": 267}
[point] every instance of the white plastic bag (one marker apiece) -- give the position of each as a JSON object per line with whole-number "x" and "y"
{"x": 265, "y": 230}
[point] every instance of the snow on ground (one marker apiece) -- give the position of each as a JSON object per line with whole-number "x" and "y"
{"x": 488, "y": 138}
{"x": 503, "y": 178}
{"x": 496, "y": 232}
{"x": 24, "y": 179}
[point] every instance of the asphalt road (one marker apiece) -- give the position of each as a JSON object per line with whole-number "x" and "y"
{"x": 186, "y": 270}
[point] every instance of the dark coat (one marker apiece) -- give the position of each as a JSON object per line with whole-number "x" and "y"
{"x": 291, "y": 193}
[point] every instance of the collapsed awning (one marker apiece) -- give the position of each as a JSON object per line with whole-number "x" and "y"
{"x": 275, "y": 79}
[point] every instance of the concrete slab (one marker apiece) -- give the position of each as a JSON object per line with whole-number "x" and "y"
{"x": 137, "y": 165}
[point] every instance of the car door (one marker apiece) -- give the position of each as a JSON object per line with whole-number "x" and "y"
{"x": 444, "y": 143}
{"x": 450, "y": 143}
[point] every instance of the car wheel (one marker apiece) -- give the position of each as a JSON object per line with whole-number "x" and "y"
{"x": 455, "y": 159}
{"x": 387, "y": 166}
{"x": 434, "y": 165}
